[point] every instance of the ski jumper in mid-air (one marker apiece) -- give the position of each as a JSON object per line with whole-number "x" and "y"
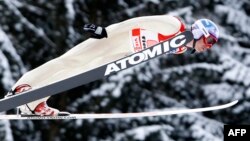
{"x": 109, "y": 44}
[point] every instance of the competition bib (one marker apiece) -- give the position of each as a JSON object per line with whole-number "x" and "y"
{"x": 141, "y": 39}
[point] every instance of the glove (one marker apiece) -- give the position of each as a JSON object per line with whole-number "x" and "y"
{"x": 97, "y": 32}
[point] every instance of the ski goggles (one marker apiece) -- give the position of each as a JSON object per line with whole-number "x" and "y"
{"x": 209, "y": 41}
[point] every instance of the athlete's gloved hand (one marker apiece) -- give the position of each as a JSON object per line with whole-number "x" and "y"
{"x": 97, "y": 32}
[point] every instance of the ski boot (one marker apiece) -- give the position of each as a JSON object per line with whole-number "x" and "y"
{"x": 36, "y": 108}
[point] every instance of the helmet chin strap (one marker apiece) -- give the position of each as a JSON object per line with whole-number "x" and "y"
{"x": 193, "y": 47}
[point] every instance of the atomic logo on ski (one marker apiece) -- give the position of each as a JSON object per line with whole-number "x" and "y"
{"x": 149, "y": 53}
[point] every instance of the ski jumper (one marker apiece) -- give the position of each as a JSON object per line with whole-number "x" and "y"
{"x": 124, "y": 38}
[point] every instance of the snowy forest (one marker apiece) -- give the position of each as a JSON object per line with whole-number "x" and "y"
{"x": 33, "y": 32}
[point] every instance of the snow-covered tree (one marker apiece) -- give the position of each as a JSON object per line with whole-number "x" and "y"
{"x": 33, "y": 32}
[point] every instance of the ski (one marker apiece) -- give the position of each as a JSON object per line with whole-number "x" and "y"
{"x": 163, "y": 112}
{"x": 165, "y": 47}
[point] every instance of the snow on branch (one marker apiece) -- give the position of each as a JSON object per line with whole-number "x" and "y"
{"x": 5, "y": 131}
{"x": 238, "y": 18}
{"x": 7, "y": 51}
{"x": 39, "y": 31}
{"x": 31, "y": 8}
{"x": 236, "y": 72}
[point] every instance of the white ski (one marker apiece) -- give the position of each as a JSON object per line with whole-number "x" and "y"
{"x": 163, "y": 112}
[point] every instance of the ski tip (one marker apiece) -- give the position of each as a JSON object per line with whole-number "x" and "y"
{"x": 234, "y": 102}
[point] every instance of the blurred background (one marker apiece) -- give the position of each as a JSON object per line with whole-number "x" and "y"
{"x": 33, "y": 32}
